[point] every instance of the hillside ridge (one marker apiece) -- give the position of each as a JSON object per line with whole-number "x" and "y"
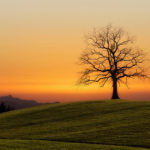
{"x": 120, "y": 123}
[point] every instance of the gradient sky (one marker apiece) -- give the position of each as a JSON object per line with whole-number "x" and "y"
{"x": 41, "y": 41}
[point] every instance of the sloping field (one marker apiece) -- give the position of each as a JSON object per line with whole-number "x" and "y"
{"x": 106, "y": 125}
{"x": 49, "y": 145}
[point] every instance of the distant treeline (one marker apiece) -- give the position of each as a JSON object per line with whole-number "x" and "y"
{"x": 4, "y": 108}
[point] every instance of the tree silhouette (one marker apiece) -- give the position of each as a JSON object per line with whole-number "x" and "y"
{"x": 4, "y": 108}
{"x": 110, "y": 56}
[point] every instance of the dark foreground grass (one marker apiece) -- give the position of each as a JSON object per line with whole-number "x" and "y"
{"x": 119, "y": 123}
{"x": 48, "y": 145}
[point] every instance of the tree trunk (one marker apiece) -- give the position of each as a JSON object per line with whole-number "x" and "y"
{"x": 115, "y": 90}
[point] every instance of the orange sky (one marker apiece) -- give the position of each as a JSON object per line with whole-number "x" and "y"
{"x": 41, "y": 41}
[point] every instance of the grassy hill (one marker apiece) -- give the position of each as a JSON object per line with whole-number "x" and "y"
{"x": 98, "y": 125}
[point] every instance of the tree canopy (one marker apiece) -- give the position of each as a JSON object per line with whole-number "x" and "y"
{"x": 111, "y": 56}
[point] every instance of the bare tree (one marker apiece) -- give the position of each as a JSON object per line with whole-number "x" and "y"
{"x": 111, "y": 57}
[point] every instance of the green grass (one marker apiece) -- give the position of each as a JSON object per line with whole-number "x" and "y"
{"x": 74, "y": 126}
{"x": 48, "y": 145}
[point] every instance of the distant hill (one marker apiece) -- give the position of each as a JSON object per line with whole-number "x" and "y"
{"x": 17, "y": 103}
{"x": 97, "y": 125}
